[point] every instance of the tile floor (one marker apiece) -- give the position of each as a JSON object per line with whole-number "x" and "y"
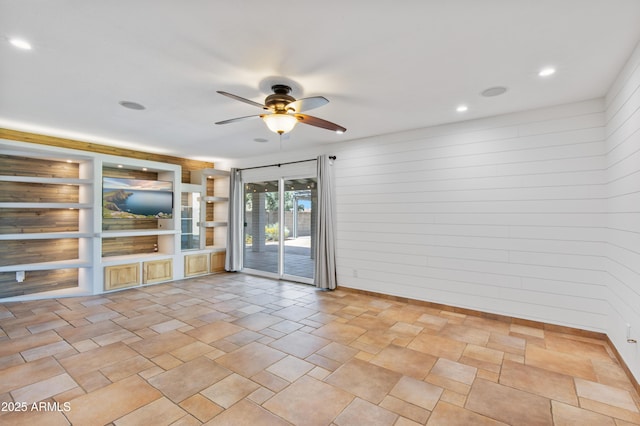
{"x": 232, "y": 349}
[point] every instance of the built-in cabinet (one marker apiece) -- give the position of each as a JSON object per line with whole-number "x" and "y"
{"x": 55, "y": 242}
{"x": 205, "y": 204}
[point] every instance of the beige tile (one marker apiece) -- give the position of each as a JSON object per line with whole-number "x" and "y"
{"x": 189, "y": 378}
{"x": 568, "y": 344}
{"x": 260, "y": 321}
{"x": 560, "y": 362}
{"x": 34, "y": 418}
{"x": 192, "y": 351}
{"x": 230, "y": 390}
{"x": 200, "y": 407}
{"x": 308, "y": 395}
{"x": 157, "y": 413}
{"x": 446, "y": 414}
{"x": 122, "y": 398}
{"x": 341, "y": 333}
{"x": 30, "y": 341}
{"x": 270, "y": 381}
{"x": 405, "y": 409}
{"x": 605, "y": 394}
{"x": 405, "y": 329}
{"x": 44, "y": 389}
{"x": 76, "y": 334}
{"x": 120, "y": 370}
{"x": 94, "y": 359}
{"x": 250, "y": 359}
{"x": 361, "y": 412}
{"x": 246, "y": 413}
{"x": 569, "y": 415}
{"x": 610, "y": 410}
{"x": 214, "y": 331}
{"x": 438, "y": 346}
{"x": 508, "y": 405}
{"x": 299, "y": 344}
{"x": 60, "y": 348}
{"x": 25, "y": 374}
{"x": 417, "y": 392}
{"x": 290, "y": 368}
{"x": 454, "y": 370}
{"x": 462, "y": 333}
{"x": 162, "y": 343}
{"x": 545, "y": 383}
{"x": 505, "y": 343}
{"x": 453, "y": 398}
{"x": 260, "y": 395}
{"x": 365, "y": 380}
{"x": 405, "y": 361}
{"x": 337, "y": 352}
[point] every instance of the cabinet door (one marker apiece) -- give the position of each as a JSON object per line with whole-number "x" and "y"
{"x": 217, "y": 261}
{"x": 157, "y": 270}
{"x": 195, "y": 264}
{"x": 121, "y": 276}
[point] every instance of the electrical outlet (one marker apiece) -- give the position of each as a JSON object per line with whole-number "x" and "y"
{"x": 629, "y": 339}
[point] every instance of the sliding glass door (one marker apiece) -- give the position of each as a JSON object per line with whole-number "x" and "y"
{"x": 279, "y": 228}
{"x": 300, "y": 197}
{"x": 262, "y": 223}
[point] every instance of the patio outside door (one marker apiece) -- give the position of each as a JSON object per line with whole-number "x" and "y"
{"x": 274, "y": 250}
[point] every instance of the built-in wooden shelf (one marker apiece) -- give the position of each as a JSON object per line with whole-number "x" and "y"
{"x": 46, "y": 235}
{"x": 46, "y": 266}
{"x": 137, "y": 233}
{"x": 10, "y": 205}
{"x": 47, "y": 180}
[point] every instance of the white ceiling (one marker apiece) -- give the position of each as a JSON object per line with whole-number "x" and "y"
{"x": 385, "y": 66}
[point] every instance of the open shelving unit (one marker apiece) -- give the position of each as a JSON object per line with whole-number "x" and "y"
{"x": 43, "y": 190}
{"x": 53, "y": 239}
{"x": 210, "y": 256}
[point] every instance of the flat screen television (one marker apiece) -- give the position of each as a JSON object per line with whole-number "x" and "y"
{"x": 136, "y": 199}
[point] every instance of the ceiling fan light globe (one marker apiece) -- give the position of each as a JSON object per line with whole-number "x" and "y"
{"x": 280, "y": 123}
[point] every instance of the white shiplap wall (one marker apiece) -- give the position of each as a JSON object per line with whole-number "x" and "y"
{"x": 623, "y": 177}
{"x": 503, "y": 215}
{"x": 534, "y": 215}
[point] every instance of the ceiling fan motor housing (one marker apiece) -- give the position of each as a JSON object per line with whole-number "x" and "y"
{"x": 280, "y": 98}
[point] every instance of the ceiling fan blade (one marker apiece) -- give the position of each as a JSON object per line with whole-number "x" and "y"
{"x": 241, "y": 99}
{"x": 233, "y": 120}
{"x": 305, "y": 104}
{"x": 319, "y": 122}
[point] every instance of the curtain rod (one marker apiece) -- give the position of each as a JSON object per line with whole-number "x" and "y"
{"x": 331, "y": 157}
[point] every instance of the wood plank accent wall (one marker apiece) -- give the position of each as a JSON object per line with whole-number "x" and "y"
{"x": 16, "y": 252}
{"x": 37, "y": 281}
{"x": 17, "y": 221}
{"x": 623, "y": 203}
{"x": 187, "y": 164}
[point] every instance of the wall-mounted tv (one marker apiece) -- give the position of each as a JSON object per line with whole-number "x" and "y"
{"x": 136, "y": 199}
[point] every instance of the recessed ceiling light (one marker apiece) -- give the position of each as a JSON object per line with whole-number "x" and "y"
{"x": 120, "y": 166}
{"x": 546, "y": 72}
{"x": 20, "y": 43}
{"x": 144, "y": 169}
{"x": 69, "y": 161}
{"x": 340, "y": 132}
{"x": 493, "y": 91}
{"x": 132, "y": 105}
{"x": 462, "y": 108}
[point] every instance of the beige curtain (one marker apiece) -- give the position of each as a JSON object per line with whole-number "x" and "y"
{"x": 325, "y": 274}
{"x": 235, "y": 225}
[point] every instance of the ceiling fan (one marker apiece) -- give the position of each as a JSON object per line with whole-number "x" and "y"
{"x": 285, "y": 111}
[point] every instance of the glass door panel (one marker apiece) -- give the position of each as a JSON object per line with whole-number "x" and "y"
{"x": 262, "y": 230}
{"x": 190, "y": 218}
{"x": 300, "y": 198}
